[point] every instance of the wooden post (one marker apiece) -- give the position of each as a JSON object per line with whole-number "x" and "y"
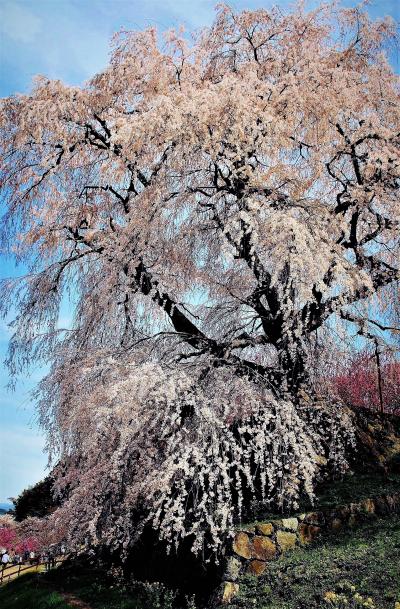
{"x": 378, "y": 366}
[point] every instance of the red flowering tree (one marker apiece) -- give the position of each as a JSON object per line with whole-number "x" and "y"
{"x": 8, "y": 534}
{"x": 361, "y": 384}
{"x": 17, "y": 538}
{"x": 27, "y": 545}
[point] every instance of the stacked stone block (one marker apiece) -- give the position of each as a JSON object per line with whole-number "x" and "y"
{"x": 253, "y": 547}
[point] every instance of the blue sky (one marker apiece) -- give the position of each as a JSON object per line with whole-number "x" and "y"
{"x": 68, "y": 39}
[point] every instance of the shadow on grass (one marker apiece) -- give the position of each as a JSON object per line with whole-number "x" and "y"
{"x": 30, "y": 591}
{"x": 45, "y": 591}
{"x": 99, "y": 590}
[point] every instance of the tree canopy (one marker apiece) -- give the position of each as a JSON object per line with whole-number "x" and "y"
{"x": 36, "y": 501}
{"x": 208, "y": 204}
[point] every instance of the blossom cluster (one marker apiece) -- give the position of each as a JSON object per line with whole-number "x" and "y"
{"x": 164, "y": 448}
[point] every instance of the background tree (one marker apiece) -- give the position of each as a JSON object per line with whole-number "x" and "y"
{"x": 360, "y": 385}
{"x": 208, "y": 206}
{"x": 15, "y": 538}
{"x": 36, "y": 501}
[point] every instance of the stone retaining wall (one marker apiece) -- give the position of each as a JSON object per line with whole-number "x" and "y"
{"x": 254, "y": 546}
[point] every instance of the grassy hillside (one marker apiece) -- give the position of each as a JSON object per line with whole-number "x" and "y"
{"x": 364, "y": 561}
{"x": 353, "y": 487}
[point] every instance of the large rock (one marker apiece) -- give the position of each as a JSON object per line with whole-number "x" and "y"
{"x": 257, "y": 567}
{"x": 242, "y": 545}
{"x": 344, "y": 512}
{"x": 354, "y": 520}
{"x": 263, "y": 548}
{"x": 232, "y": 569}
{"x": 265, "y": 528}
{"x": 393, "y": 502}
{"x": 381, "y": 506}
{"x": 336, "y": 524}
{"x": 317, "y": 518}
{"x": 286, "y": 541}
{"x": 368, "y": 506}
{"x": 290, "y": 524}
{"x": 307, "y": 533}
{"x": 229, "y": 592}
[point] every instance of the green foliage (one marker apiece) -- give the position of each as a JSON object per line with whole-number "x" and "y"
{"x": 36, "y": 500}
{"x": 352, "y": 565}
{"x": 139, "y": 596}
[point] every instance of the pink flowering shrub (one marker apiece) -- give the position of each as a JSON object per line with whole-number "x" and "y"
{"x": 19, "y": 537}
{"x": 357, "y": 384}
{"x": 27, "y": 545}
{"x": 8, "y": 534}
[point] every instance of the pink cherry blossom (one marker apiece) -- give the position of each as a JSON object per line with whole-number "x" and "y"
{"x": 207, "y": 207}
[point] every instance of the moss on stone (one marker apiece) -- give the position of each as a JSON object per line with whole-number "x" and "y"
{"x": 286, "y": 541}
{"x": 242, "y": 545}
{"x": 367, "y": 557}
{"x": 263, "y": 548}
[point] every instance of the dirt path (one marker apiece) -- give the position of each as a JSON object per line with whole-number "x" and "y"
{"x": 12, "y": 573}
{"x": 74, "y": 601}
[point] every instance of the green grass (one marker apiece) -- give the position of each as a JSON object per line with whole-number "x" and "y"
{"x": 101, "y": 592}
{"x": 366, "y": 557}
{"x": 29, "y": 592}
{"x": 356, "y": 487}
{"x": 352, "y": 488}
{"x": 44, "y": 591}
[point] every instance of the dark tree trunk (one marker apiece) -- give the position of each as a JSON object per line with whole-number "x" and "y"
{"x": 292, "y": 360}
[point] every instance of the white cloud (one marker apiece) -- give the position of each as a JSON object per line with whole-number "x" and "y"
{"x": 18, "y": 23}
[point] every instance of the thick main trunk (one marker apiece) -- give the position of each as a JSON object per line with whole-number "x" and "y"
{"x": 293, "y": 368}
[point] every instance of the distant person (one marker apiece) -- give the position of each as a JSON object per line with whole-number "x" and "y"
{"x": 32, "y": 557}
{"x": 63, "y": 550}
{"x": 52, "y": 558}
{"x": 46, "y": 560}
{"x": 5, "y": 559}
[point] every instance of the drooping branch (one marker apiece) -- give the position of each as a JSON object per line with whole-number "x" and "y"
{"x": 381, "y": 273}
{"x": 297, "y": 181}
{"x": 193, "y": 336}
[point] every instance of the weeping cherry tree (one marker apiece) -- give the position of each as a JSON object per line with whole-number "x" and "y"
{"x": 205, "y": 205}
